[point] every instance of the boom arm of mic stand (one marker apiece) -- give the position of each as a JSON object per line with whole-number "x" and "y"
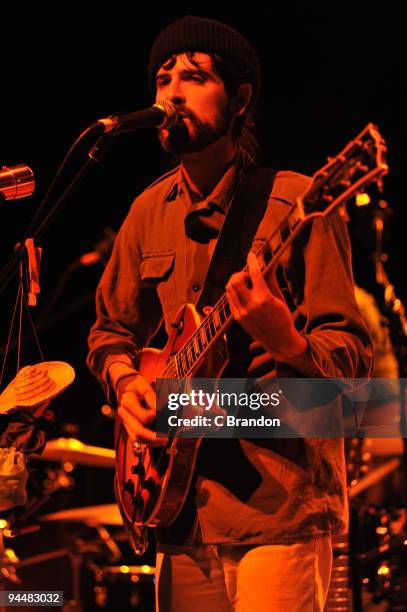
{"x": 96, "y": 154}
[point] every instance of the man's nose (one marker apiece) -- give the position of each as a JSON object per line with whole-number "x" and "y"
{"x": 175, "y": 93}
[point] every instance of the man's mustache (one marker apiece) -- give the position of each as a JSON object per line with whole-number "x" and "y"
{"x": 183, "y": 113}
{"x": 186, "y": 113}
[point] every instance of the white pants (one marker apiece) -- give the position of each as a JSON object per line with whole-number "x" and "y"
{"x": 244, "y": 578}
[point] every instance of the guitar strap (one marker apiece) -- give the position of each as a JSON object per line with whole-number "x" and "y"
{"x": 243, "y": 217}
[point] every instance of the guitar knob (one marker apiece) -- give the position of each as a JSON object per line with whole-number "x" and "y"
{"x": 137, "y": 501}
{"x": 149, "y": 484}
{"x": 129, "y": 486}
{"x": 138, "y": 469}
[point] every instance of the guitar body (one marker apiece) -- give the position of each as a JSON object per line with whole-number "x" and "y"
{"x": 151, "y": 484}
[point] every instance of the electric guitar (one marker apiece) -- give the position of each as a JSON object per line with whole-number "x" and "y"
{"x": 151, "y": 484}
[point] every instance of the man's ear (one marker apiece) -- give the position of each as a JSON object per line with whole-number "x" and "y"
{"x": 242, "y": 98}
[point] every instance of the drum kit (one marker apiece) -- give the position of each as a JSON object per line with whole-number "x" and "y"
{"x": 113, "y": 585}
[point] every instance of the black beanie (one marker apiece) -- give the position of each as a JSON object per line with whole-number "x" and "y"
{"x": 208, "y": 36}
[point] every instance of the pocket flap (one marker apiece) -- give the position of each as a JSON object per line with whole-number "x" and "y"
{"x": 156, "y": 266}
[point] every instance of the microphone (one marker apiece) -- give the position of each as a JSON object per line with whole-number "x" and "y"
{"x": 162, "y": 114}
{"x": 16, "y": 182}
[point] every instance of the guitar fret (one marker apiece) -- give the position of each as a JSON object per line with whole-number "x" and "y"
{"x": 168, "y": 368}
{"x": 212, "y": 328}
{"x": 208, "y": 337}
{"x": 184, "y": 367}
{"x": 186, "y": 357}
{"x": 196, "y": 344}
{"x": 179, "y": 367}
{"x": 203, "y": 337}
{"x": 284, "y": 231}
{"x": 275, "y": 242}
{"x": 222, "y": 315}
{"x": 216, "y": 317}
{"x": 192, "y": 351}
{"x": 267, "y": 253}
{"x": 173, "y": 367}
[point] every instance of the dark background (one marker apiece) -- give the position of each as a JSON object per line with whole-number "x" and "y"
{"x": 327, "y": 71}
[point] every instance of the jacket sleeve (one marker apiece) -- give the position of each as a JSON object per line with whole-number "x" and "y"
{"x": 320, "y": 282}
{"x": 128, "y": 311}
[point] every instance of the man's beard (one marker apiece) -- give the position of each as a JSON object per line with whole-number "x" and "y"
{"x": 179, "y": 140}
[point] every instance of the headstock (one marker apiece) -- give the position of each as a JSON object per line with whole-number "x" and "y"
{"x": 360, "y": 163}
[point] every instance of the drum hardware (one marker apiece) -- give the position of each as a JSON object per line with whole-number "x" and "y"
{"x": 103, "y": 547}
{"x": 17, "y": 522}
{"x": 107, "y": 579}
{"x": 377, "y": 559}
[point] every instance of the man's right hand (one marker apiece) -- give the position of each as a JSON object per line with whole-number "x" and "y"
{"x": 137, "y": 408}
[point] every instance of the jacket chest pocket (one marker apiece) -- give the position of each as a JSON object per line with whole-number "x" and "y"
{"x": 157, "y": 269}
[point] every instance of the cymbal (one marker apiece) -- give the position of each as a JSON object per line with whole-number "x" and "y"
{"x": 74, "y": 451}
{"x": 103, "y": 514}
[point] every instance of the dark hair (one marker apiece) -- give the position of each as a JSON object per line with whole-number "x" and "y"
{"x": 232, "y": 76}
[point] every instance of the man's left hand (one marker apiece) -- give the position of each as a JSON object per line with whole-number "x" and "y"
{"x": 262, "y": 311}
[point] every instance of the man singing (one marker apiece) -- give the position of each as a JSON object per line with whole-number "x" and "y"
{"x": 255, "y": 531}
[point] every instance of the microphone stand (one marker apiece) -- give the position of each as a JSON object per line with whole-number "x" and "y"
{"x": 96, "y": 153}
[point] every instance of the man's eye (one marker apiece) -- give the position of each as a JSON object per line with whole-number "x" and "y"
{"x": 197, "y": 78}
{"x": 162, "y": 82}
